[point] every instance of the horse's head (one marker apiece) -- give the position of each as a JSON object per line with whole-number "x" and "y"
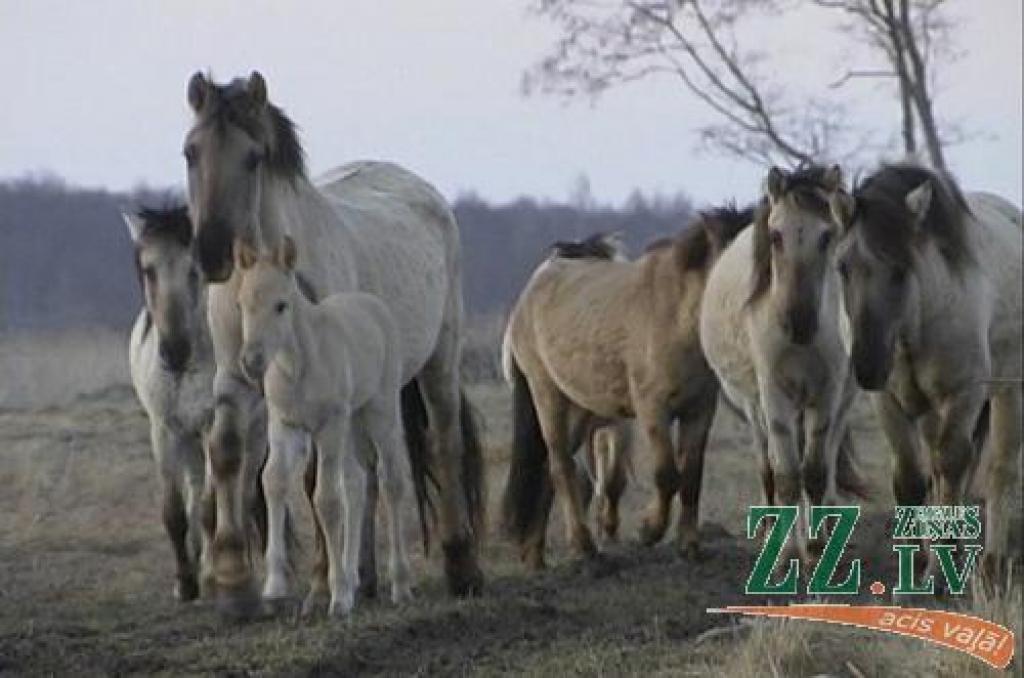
{"x": 170, "y": 280}
{"x": 793, "y": 243}
{"x": 266, "y": 297}
{"x": 238, "y": 140}
{"x": 886, "y": 224}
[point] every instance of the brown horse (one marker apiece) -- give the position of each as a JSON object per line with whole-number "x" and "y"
{"x": 595, "y": 339}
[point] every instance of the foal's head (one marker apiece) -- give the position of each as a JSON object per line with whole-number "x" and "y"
{"x": 169, "y": 279}
{"x": 238, "y": 142}
{"x": 794, "y": 236}
{"x": 266, "y": 297}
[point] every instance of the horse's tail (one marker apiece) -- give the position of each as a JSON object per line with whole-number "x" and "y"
{"x": 472, "y": 471}
{"x": 848, "y": 477}
{"x": 528, "y": 491}
{"x": 414, "y": 422}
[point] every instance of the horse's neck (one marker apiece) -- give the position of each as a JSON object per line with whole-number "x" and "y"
{"x": 328, "y": 251}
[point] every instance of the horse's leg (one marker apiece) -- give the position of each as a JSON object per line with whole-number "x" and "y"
{"x": 368, "y": 549}
{"x": 610, "y": 478}
{"x": 318, "y": 590}
{"x": 784, "y": 454}
{"x": 195, "y": 493}
{"x": 439, "y": 384}
{"x": 953, "y": 450}
{"x": 1003, "y": 491}
{"x": 553, "y": 414}
{"x": 654, "y": 423}
{"x": 168, "y": 451}
{"x": 621, "y": 443}
{"x": 384, "y": 429}
{"x": 910, "y": 479}
{"x": 694, "y": 427}
{"x": 341, "y": 480}
{"x": 237, "y": 403}
{"x": 287, "y": 452}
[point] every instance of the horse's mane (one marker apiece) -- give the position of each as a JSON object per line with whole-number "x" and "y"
{"x": 598, "y": 246}
{"x": 170, "y": 221}
{"x": 232, "y": 104}
{"x": 804, "y": 186}
{"x": 890, "y": 228}
{"x": 709, "y": 232}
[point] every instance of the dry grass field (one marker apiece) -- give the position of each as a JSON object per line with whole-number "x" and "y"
{"x": 86, "y": 573}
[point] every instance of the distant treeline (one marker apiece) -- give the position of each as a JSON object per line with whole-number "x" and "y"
{"x": 65, "y": 257}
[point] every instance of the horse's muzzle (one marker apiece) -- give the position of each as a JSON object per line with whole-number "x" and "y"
{"x": 174, "y": 354}
{"x": 213, "y": 249}
{"x": 254, "y": 365}
{"x": 801, "y": 325}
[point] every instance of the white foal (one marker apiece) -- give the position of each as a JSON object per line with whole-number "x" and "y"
{"x": 332, "y": 371}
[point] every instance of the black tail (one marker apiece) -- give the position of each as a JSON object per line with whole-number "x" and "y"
{"x": 414, "y": 421}
{"x": 472, "y": 471}
{"x": 848, "y": 478}
{"x": 528, "y": 493}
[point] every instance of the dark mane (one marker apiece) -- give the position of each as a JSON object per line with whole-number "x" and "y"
{"x": 804, "y": 186}
{"x": 890, "y": 228}
{"x": 170, "y": 222}
{"x": 596, "y": 246}
{"x": 706, "y": 236}
{"x": 231, "y": 104}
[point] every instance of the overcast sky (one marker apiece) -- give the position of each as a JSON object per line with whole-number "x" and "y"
{"x": 95, "y": 91}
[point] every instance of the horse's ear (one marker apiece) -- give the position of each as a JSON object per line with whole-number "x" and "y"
{"x": 842, "y": 205}
{"x": 198, "y": 88}
{"x": 919, "y": 200}
{"x": 832, "y": 179}
{"x": 256, "y": 88}
{"x": 713, "y": 233}
{"x": 135, "y": 225}
{"x": 245, "y": 255}
{"x": 775, "y": 184}
{"x": 286, "y": 254}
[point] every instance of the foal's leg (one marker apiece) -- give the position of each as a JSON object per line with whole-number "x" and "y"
{"x": 318, "y": 589}
{"x": 694, "y": 427}
{"x": 553, "y": 415}
{"x": 195, "y": 492}
{"x": 383, "y": 431}
{"x": 168, "y": 451}
{"x": 287, "y": 452}
{"x": 341, "y": 479}
{"x": 609, "y": 444}
{"x": 1003, "y": 491}
{"x": 654, "y": 423}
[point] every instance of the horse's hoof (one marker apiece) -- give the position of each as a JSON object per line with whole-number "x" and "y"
{"x": 401, "y": 595}
{"x": 238, "y": 604}
{"x": 464, "y": 576}
{"x": 341, "y": 608}
{"x": 692, "y": 552}
{"x": 186, "y": 590}
{"x": 314, "y": 602}
{"x": 599, "y": 566}
{"x": 650, "y": 534}
{"x": 367, "y": 589}
{"x": 279, "y": 606}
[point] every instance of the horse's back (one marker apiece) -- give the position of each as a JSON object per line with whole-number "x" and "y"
{"x": 1000, "y": 253}
{"x": 408, "y": 248}
{"x": 723, "y": 327}
{"x": 364, "y": 330}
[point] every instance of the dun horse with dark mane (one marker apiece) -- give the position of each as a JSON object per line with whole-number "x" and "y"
{"x": 595, "y": 340}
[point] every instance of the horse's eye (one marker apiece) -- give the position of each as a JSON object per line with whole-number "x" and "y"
{"x": 775, "y": 238}
{"x": 253, "y": 160}
{"x": 826, "y": 239}
{"x": 279, "y": 307}
{"x": 191, "y": 155}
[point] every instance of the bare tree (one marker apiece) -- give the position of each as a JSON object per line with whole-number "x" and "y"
{"x": 911, "y": 34}
{"x": 605, "y": 43}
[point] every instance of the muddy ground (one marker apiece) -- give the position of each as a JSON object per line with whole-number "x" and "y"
{"x": 86, "y": 573}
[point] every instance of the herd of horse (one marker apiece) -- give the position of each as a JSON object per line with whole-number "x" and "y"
{"x": 298, "y": 328}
